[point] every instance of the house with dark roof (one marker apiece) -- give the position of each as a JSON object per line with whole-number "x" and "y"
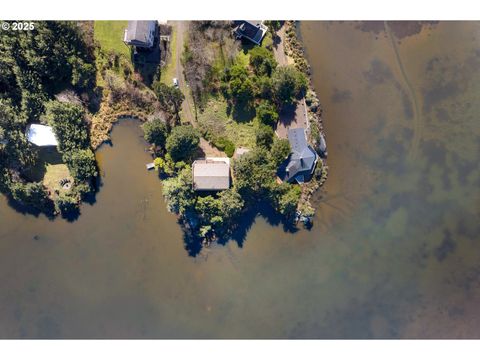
{"x": 211, "y": 174}
{"x": 250, "y": 30}
{"x": 302, "y": 160}
{"x": 140, "y": 33}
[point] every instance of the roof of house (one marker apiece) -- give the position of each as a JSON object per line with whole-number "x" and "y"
{"x": 41, "y": 135}
{"x": 138, "y": 31}
{"x": 302, "y": 159}
{"x": 211, "y": 174}
{"x": 251, "y": 30}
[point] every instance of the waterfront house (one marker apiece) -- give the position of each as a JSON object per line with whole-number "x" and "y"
{"x": 41, "y": 135}
{"x": 253, "y": 31}
{"x": 211, "y": 174}
{"x": 302, "y": 160}
{"x": 140, "y": 33}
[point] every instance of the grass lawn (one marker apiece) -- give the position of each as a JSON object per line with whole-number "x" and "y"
{"x": 170, "y": 69}
{"x": 216, "y": 120}
{"x": 110, "y": 36}
{"x": 267, "y": 40}
{"x": 53, "y": 175}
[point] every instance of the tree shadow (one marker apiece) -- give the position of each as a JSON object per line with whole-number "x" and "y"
{"x": 287, "y": 114}
{"x": 193, "y": 244}
{"x": 48, "y": 155}
{"x": 25, "y": 209}
{"x": 243, "y": 112}
{"x": 147, "y": 62}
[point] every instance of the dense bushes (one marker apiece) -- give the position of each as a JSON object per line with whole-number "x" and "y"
{"x": 288, "y": 84}
{"x": 266, "y": 113}
{"x": 262, "y": 61}
{"x": 67, "y": 121}
{"x": 155, "y": 131}
{"x": 225, "y": 145}
{"x": 182, "y": 142}
{"x": 41, "y": 62}
{"x": 36, "y": 65}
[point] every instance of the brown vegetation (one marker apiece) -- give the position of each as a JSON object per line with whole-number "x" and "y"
{"x": 208, "y": 49}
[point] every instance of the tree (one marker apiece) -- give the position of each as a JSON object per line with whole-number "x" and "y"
{"x": 182, "y": 142}
{"x": 67, "y": 203}
{"x": 83, "y": 74}
{"x": 279, "y": 151}
{"x": 267, "y": 113}
{"x": 207, "y": 207}
{"x": 286, "y": 199}
{"x": 178, "y": 192}
{"x": 262, "y": 61}
{"x": 273, "y": 25}
{"x": 264, "y": 136}
{"x": 288, "y": 83}
{"x": 82, "y": 164}
{"x": 155, "y": 131}
{"x": 170, "y": 97}
{"x": 31, "y": 194}
{"x": 242, "y": 91}
{"x": 264, "y": 87}
{"x": 230, "y": 204}
{"x": 15, "y": 150}
{"x": 254, "y": 174}
{"x": 68, "y": 125}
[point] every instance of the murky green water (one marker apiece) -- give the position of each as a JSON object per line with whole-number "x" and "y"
{"x": 394, "y": 251}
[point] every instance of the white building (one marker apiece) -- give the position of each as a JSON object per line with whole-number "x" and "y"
{"x": 41, "y": 135}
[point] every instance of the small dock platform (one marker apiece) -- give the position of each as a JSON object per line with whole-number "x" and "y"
{"x": 150, "y": 166}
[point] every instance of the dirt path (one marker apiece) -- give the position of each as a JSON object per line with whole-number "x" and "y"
{"x": 209, "y": 150}
{"x": 279, "y": 49}
{"x": 417, "y": 120}
{"x": 292, "y": 117}
{"x": 188, "y": 109}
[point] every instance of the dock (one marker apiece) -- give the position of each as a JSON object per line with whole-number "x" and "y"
{"x": 150, "y": 166}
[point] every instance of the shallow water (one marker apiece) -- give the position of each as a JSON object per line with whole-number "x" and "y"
{"x": 394, "y": 251}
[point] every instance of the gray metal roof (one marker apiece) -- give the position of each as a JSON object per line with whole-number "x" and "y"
{"x": 303, "y": 157}
{"x": 138, "y": 31}
{"x": 211, "y": 174}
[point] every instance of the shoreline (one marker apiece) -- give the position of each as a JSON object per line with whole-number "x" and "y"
{"x": 295, "y": 54}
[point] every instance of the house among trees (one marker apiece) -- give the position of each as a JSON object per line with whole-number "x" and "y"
{"x": 211, "y": 174}
{"x": 302, "y": 160}
{"x": 41, "y": 135}
{"x": 140, "y": 33}
{"x": 251, "y": 30}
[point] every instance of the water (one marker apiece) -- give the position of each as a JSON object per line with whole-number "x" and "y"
{"x": 394, "y": 251}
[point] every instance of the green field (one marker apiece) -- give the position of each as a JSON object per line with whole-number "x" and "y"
{"x": 216, "y": 120}
{"x": 170, "y": 70}
{"x": 110, "y": 36}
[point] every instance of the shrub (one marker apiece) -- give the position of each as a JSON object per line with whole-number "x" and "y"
{"x": 155, "y": 132}
{"x": 264, "y": 136}
{"x": 225, "y": 145}
{"x": 182, "y": 142}
{"x": 267, "y": 114}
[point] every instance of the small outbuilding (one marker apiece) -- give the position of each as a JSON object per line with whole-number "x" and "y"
{"x": 211, "y": 174}
{"x": 250, "y": 30}
{"x": 140, "y": 33}
{"x": 41, "y": 135}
